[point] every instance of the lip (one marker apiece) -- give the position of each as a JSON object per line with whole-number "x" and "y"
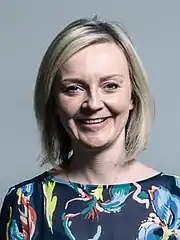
{"x": 87, "y": 118}
{"x": 88, "y": 124}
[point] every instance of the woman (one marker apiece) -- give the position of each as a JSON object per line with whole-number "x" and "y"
{"x": 94, "y": 112}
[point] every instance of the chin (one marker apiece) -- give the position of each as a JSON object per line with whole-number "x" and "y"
{"x": 97, "y": 141}
{"x": 96, "y": 144}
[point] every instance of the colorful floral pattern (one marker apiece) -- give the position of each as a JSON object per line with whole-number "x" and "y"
{"x": 49, "y": 208}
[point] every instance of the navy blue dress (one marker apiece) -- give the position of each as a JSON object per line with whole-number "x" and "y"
{"x": 49, "y": 208}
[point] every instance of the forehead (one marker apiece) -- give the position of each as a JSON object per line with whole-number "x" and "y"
{"x": 97, "y": 59}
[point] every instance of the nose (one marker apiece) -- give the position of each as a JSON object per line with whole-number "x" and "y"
{"x": 93, "y": 101}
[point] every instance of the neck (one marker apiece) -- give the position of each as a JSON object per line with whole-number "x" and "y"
{"x": 103, "y": 166}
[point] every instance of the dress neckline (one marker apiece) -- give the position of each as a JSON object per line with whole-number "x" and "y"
{"x": 66, "y": 182}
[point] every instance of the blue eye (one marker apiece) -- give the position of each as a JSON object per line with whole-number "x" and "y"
{"x": 111, "y": 86}
{"x": 73, "y": 89}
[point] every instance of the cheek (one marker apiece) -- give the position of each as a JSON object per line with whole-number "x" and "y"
{"x": 68, "y": 107}
{"x": 121, "y": 103}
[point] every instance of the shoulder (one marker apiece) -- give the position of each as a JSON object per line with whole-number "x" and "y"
{"x": 168, "y": 186}
{"x": 22, "y": 202}
{"x": 28, "y": 192}
{"x": 170, "y": 181}
{"x": 27, "y": 187}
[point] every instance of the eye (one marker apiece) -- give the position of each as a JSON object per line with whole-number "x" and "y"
{"x": 73, "y": 89}
{"x": 111, "y": 86}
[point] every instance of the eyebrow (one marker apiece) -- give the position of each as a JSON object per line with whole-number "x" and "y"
{"x": 102, "y": 79}
{"x": 81, "y": 81}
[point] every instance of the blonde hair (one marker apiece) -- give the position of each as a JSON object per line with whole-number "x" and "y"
{"x": 56, "y": 143}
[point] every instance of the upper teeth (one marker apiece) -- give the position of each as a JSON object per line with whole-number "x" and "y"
{"x": 93, "y": 120}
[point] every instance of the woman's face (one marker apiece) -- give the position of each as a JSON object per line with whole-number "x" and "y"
{"x": 94, "y": 95}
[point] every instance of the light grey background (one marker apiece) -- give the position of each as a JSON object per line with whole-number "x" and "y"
{"x": 26, "y": 29}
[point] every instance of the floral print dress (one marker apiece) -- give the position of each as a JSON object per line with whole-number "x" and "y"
{"x": 49, "y": 208}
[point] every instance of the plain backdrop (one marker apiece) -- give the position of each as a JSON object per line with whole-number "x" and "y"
{"x": 26, "y": 30}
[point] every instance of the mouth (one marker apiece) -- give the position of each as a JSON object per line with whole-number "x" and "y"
{"x": 93, "y": 121}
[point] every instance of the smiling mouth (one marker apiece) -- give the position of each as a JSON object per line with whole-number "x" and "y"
{"x": 92, "y": 121}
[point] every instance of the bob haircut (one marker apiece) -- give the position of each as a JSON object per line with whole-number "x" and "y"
{"x": 56, "y": 143}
